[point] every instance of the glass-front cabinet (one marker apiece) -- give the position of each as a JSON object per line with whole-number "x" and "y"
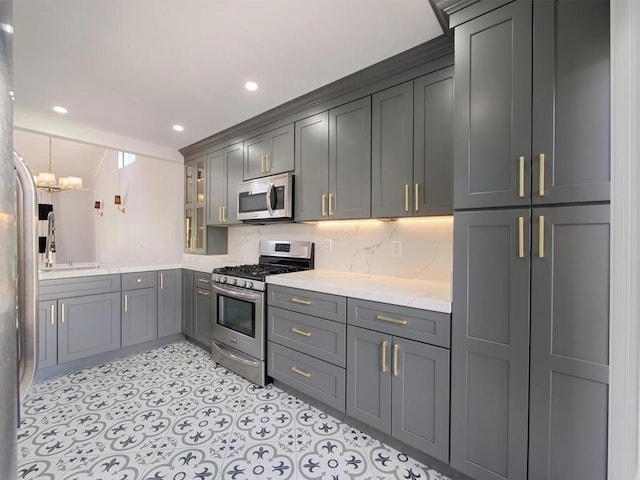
{"x": 197, "y": 237}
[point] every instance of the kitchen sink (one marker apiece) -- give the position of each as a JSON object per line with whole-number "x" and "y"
{"x": 61, "y": 267}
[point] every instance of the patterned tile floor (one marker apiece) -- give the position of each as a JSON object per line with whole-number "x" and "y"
{"x": 172, "y": 413}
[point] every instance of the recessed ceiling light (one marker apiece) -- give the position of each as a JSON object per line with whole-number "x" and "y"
{"x": 59, "y": 109}
{"x": 178, "y": 128}
{"x": 251, "y": 86}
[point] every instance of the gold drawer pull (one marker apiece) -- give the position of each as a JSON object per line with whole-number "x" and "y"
{"x": 324, "y": 209}
{"x": 541, "y": 236}
{"x": 301, "y": 372}
{"x": 406, "y": 197}
{"x": 202, "y": 292}
{"x": 331, "y": 212}
{"x": 303, "y": 302}
{"x": 521, "y": 179}
{"x": 53, "y": 314}
{"x": 417, "y": 196}
{"x": 203, "y": 280}
{"x": 396, "y": 346}
{"x": 126, "y": 302}
{"x": 392, "y": 320}
{"x": 521, "y": 237}
{"x": 384, "y": 345}
{"x": 300, "y": 332}
{"x": 541, "y": 186}
{"x": 161, "y": 281}
{"x": 62, "y": 310}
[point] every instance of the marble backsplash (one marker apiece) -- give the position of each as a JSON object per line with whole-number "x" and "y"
{"x": 426, "y": 246}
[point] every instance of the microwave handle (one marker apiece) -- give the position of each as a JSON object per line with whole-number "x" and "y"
{"x": 269, "y": 192}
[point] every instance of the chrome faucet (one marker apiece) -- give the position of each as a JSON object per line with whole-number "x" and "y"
{"x": 50, "y": 248}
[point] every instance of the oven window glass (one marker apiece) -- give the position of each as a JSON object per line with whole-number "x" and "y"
{"x": 238, "y": 315}
{"x": 252, "y": 203}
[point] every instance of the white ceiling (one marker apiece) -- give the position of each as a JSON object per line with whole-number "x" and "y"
{"x": 133, "y": 68}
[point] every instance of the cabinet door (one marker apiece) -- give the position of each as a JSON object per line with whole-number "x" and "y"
{"x": 187, "y": 302}
{"x": 392, "y": 152}
{"x": 255, "y": 150}
{"x": 433, "y": 144}
{"x": 139, "y": 316}
{"x": 571, "y": 93}
{"x": 47, "y": 334}
{"x": 312, "y": 168}
{"x": 490, "y": 344}
{"x": 189, "y": 183}
{"x": 279, "y": 157}
{"x": 492, "y": 135}
{"x": 216, "y": 187}
{"x": 569, "y": 343}
{"x": 202, "y": 315}
{"x": 88, "y": 325}
{"x": 369, "y": 377}
{"x": 420, "y": 399}
{"x": 189, "y": 228}
{"x": 233, "y": 156}
{"x": 350, "y": 160}
{"x": 169, "y": 302}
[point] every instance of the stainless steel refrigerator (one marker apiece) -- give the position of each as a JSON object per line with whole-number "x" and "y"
{"x": 18, "y": 264}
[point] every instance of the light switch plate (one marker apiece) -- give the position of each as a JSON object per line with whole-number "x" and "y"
{"x": 396, "y": 248}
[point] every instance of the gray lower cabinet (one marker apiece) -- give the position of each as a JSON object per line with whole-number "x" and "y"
{"x": 88, "y": 325}
{"x": 569, "y": 343}
{"x": 490, "y": 344}
{"x": 139, "y": 316}
{"x": 400, "y": 387}
{"x": 187, "y": 302}
{"x": 47, "y": 333}
{"x": 202, "y": 308}
{"x": 269, "y": 154}
{"x": 169, "y": 302}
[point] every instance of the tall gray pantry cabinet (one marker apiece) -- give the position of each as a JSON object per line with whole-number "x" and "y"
{"x": 529, "y": 358}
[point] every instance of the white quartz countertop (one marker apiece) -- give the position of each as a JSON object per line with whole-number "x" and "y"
{"x": 425, "y": 294}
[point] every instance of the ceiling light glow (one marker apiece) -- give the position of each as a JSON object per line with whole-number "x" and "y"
{"x": 251, "y": 86}
{"x": 178, "y": 128}
{"x": 59, "y": 109}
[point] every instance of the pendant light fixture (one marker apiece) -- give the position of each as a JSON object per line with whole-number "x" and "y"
{"x": 46, "y": 181}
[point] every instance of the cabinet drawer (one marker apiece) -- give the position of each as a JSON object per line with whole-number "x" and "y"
{"x": 332, "y": 307}
{"x": 316, "y": 378}
{"x": 314, "y": 336}
{"x": 133, "y": 281}
{"x": 202, "y": 280}
{"x": 78, "y": 286}
{"x": 413, "y": 323}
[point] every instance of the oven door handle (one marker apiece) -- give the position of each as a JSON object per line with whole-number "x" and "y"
{"x": 233, "y": 356}
{"x": 237, "y": 293}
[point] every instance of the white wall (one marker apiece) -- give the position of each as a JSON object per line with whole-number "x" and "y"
{"x": 151, "y": 228}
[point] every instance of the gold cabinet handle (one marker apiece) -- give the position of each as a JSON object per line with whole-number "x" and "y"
{"x": 138, "y": 280}
{"x": 521, "y": 179}
{"x": 417, "y": 203}
{"x": 396, "y": 371}
{"x": 202, "y": 292}
{"x": 301, "y": 372}
{"x": 303, "y": 302}
{"x": 541, "y": 236}
{"x": 267, "y": 167}
{"x": 262, "y": 166}
{"x": 541, "y": 181}
{"x": 521, "y": 237}
{"x": 392, "y": 320}
{"x": 406, "y": 197}
{"x": 62, "y": 313}
{"x": 331, "y": 212}
{"x": 126, "y": 303}
{"x": 224, "y": 214}
{"x": 203, "y": 280}
{"x": 324, "y": 210}
{"x": 384, "y": 345}
{"x": 220, "y": 214}
{"x": 53, "y": 314}
{"x": 161, "y": 281}
{"x": 300, "y": 332}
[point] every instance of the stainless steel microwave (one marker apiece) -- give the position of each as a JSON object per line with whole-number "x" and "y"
{"x": 266, "y": 199}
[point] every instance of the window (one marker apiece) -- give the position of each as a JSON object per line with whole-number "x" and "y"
{"x": 125, "y": 158}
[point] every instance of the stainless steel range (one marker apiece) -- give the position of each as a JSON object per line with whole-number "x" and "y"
{"x": 239, "y": 306}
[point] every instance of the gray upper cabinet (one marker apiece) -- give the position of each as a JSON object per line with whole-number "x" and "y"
{"x": 88, "y": 325}
{"x": 490, "y": 344}
{"x": 139, "y": 316}
{"x": 169, "y": 302}
{"x": 269, "y": 154}
{"x": 433, "y": 143}
{"x": 312, "y": 168}
{"x": 571, "y": 110}
{"x": 47, "y": 334}
{"x": 187, "y": 302}
{"x": 392, "y": 185}
{"x": 492, "y": 137}
{"x": 349, "y": 195}
{"x": 569, "y": 343}
{"x": 224, "y": 173}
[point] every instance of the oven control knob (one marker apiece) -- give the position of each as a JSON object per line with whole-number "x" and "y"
{"x": 248, "y": 284}
{"x": 222, "y": 279}
{"x": 233, "y": 281}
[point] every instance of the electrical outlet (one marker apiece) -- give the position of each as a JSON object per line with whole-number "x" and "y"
{"x": 328, "y": 245}
{"x": 396, "y": 248}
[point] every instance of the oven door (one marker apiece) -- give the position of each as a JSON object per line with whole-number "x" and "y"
{"x": 239, "y": 319}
